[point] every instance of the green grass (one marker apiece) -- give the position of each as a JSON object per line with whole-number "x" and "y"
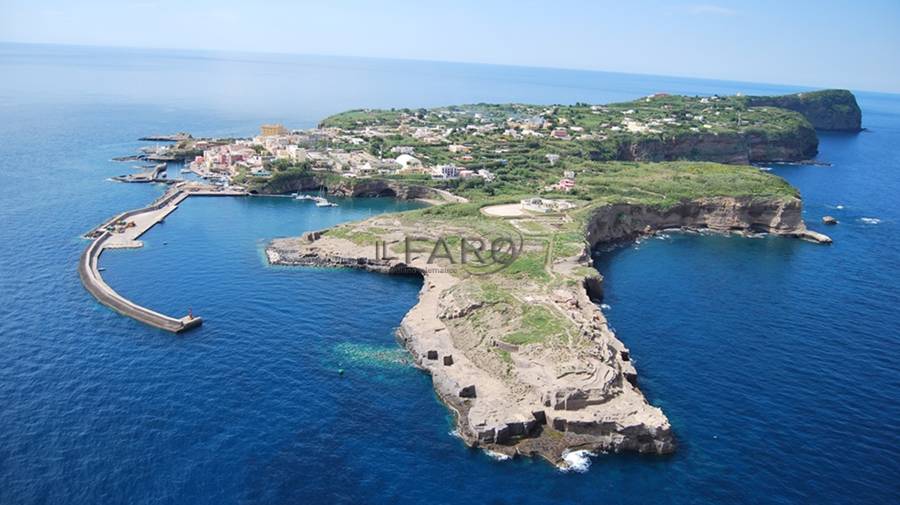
{"x": 529, "y": 265}
{"x": 581, "y": 272}
{"x": 538, "y": 324}
{"x": 671, "y": 182}
{"x": 568, "y": 244}
{"x": 357, "y": 236}
{"x": 360, "y": 117}
{"x": 504, "y": 355}
{"x": 492, "y": 293}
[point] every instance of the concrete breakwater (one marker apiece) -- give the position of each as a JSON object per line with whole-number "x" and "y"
{"x": 123, "y": 231}
{"x": 156, "y": 173}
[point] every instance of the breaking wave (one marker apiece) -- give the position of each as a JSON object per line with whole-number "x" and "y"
{"x": 577, "y": 461}
{"x": 497, "y": 456}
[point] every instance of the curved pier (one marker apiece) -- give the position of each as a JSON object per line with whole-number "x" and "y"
{"x": 123, "y": 231}
{"x": 93, "y": 282}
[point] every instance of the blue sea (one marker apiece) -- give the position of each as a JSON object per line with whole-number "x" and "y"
{"x": 777, "y": 361}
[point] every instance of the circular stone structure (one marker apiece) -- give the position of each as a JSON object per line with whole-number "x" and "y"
{"x": 505, "y": 210}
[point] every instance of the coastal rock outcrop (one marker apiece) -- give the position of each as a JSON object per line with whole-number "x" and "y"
{"x": 833, "y": 109}
{"x": 798, "y": 144}
{"x": 620, "y": 222}
{"x": 287, "y": 183}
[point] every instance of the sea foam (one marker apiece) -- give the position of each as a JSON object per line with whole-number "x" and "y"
{"x": 577, "y": 461}
{"x": 497, "y": 456}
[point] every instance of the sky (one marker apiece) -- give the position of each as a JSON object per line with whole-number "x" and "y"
{"x": 823, "y": 43}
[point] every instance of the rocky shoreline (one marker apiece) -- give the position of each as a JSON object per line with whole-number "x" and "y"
{"x": 542, "y": 399}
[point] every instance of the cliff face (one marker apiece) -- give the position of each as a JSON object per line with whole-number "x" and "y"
{"x": 823, "y": 110}
{"x": 797, "y": 144}
{"x": 380, "y": 187}
{"x": 281, "y": 184}
{"x": 346, "y": 187}
{"x": 834, "y": 109}
{"x": 620, "y": 222}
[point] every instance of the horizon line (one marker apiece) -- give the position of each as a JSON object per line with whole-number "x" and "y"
{"x": 426, "y": 60}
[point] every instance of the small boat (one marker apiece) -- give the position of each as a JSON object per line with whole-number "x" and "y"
{"x": 303, "y": 197}
{"x": 186, "y": 171}
{"x": 321, "y": 201}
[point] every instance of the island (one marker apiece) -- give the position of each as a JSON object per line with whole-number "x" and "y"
{"x": 508, "y": 322}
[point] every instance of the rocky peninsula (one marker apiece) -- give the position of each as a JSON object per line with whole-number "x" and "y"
{"x": 517, "y": 346}
{"x": 507, "y": 322}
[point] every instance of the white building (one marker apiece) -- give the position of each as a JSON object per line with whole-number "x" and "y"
{"x": 445, "y": 172}
{"x": 293, "y": 153}
{"x": 486, "y": 174}
{"x": 407, "y": 161}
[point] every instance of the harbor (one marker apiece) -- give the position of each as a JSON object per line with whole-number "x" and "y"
{"x": 123, "y": 232}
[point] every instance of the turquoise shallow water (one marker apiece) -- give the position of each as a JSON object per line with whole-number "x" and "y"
{"x": 776, "y": 360}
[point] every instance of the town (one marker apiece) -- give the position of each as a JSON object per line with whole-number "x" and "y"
{"x": 277, "y": 149}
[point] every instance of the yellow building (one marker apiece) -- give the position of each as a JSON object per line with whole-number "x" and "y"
{"x": 271, "y": 130}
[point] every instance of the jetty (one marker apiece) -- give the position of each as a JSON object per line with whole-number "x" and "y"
{"x": 156, "y": 173}
{"x": 123, "y": 231}
{"x": 177, "y": 137}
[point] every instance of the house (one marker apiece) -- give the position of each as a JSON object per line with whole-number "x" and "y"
{"x": 560, "y": 133}
{"x": 445, "y": 172}
{"x": 413, "y": 169}
{"x": 458, "y": 148}
{"x": 319, "y": 160}
{"x": 486, "y": 175}
{"x": 552, "y": 158}
{"x": 364, "y": 169}
{"x": 406, "y": 161}
{"x": 533, "y": 123}
{"x": 272, "y": 130}
{"x": 293, "y": 153}
{"x": 565, "y": 185}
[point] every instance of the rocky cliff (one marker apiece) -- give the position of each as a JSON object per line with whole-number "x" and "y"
{"x": 619, "y": 222}
{"x": 751, "y": 146}
{"x": 381, "y": 187}
{"x": 287, "y": 183}
{"x": 833, "y": 109}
